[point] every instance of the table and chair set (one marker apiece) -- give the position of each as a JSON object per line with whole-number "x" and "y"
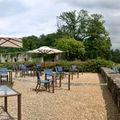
{"x": 7, "y": 91}
{"x": 50, "y": 81}
{"x": 52, "y": 78}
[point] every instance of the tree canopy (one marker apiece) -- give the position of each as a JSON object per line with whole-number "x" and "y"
{"x": 88, "y": 28}
{"x": 72, "y": 47}
{"x": 30, "y": 42}
{"x": 116, "y": 55}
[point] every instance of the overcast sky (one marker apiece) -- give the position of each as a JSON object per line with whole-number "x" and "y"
{"x": 19, "y": 18}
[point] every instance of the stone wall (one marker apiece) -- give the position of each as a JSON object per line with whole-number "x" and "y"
{"x": 11, "y": 58}
{"x": 113, "y": 83}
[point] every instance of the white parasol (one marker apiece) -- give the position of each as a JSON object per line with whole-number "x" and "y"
{"x": 45, "y": 50}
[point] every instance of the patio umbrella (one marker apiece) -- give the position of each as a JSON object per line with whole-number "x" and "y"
{"x": 10, "y": 42}
{"x": 45, "y": 50}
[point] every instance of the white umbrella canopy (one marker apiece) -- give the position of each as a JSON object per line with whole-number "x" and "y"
{"x": 45, "y": 50}
{"x": 53, "y": 51}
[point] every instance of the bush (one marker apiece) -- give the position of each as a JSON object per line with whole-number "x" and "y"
{"x": 85, "y": 66}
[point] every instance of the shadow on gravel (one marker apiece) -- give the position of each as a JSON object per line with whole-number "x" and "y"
{"x": 5, "y": 115}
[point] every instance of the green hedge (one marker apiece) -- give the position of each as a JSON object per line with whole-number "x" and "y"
{"x": 85, "y": 66}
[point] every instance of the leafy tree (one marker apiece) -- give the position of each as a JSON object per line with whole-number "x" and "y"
{"x": 49, "y": 39}
{"x": 74, "y": 23}
{"x": 10, "y": 50}
{"x": 73, "y": 48}
{"x": 115, "y": 55}
{"x": 87, "y": 28}
{"x": 98, "y": 43}
{"x": 30, "y": 42}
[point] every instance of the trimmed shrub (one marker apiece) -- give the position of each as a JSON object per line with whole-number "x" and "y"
{"x": 83, "y": 66}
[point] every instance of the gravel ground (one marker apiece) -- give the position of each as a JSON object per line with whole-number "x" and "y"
{"x": 88, "y": 99}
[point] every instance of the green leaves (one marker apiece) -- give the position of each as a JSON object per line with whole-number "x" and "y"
{"x": 72, "y": 47}
{"x": 30, "y": 42}
{"x": 88, "y": 28}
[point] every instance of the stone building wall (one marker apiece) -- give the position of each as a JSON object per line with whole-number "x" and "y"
{"x": 11, "y": 58}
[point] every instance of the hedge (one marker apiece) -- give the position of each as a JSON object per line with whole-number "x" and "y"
{"x": 85, "y": 66}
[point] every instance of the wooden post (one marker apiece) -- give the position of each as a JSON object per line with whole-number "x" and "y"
{"x": 60, "y": 79}
{"x": 69, "y": 81}
{"x": 5, "y": 103}
{"x": 19, "y": 107}
{"x": 53, "y": 83}
{"x": 77, "y": 74}
{"x": 72, "y": 75}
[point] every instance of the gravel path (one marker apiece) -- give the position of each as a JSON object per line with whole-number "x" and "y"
{"x": 88, "y": 99}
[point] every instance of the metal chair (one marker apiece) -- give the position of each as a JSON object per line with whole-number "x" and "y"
{"x": 73, "y": 70}
{"x": 47, "y": 82}
{"x": 15, "y": 69}
{"x": 49, "y": 75}
{"x": 60, "y": 74}
{"x": 3, "y": 73}
{"x": 115, "y": 69}
{"x": 38, "y": 67}
{"x": 23, "y": 70}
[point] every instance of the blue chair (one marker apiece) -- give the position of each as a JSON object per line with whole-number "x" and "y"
{"x": 23, "y": 69}
{"x": 15, "y": 69}
{"x": 115, "y": 69}
{"x": 73, "y": 70}
{"x": 48, "y": 82}
{"x": 59, "y": 69}
{"x": 60, "y": 74}
{"x": 3, "y": 73}
{"x": 49, "y": 75}
{"x": 38, "y": 67}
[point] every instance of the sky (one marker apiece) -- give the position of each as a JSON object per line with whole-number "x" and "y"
{"x": 20, "y": 18}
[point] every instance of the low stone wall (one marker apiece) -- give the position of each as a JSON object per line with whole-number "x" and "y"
{"x": 113, "y": 84}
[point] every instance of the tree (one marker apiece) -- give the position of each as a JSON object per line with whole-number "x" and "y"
{"x": 49, "y": 39}
{"x": 115, "y": 55}
{"x": 30, "y": 42}
{"x": 74, "y": 24}
{"x": 87, "y": 28}
{"x": 73, "y": 48}
{"x": 98, "y": 42}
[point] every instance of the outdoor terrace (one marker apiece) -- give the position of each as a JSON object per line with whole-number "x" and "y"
{"x": 88, "y": 99}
